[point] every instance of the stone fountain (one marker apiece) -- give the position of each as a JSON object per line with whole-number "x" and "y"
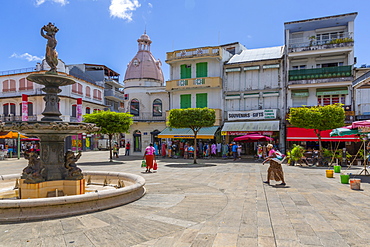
{"x": 55, "y": 173}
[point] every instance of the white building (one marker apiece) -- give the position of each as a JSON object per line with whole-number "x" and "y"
{"x": 13, "y": 84}
{"x": 254, "y": 94}
{"x": 319, "y": 62}
{"x": 145, "y": 98}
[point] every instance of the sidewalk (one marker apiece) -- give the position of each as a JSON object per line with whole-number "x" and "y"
{"x": 213, "y": 203}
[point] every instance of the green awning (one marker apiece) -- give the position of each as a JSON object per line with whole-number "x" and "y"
{"x": 187, "y": 133}
{"x": 332, "y": 91}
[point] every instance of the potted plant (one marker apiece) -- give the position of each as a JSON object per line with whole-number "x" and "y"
{"x": 312, "y": 39}
{"x": 296, "y": 153}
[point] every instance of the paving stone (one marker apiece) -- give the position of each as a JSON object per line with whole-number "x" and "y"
{"x": 225, "y": 204}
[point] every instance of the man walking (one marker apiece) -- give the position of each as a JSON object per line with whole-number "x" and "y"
{"x": 128, "y": 145}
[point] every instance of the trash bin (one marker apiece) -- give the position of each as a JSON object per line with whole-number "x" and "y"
{"x": 337, "y": 169}
{"x": 329, "y": 173}
{"x": 344, "y": 179}
{"x": 355, "y": 183}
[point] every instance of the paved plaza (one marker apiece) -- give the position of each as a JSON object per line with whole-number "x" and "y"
{"x": 214, "y": 203}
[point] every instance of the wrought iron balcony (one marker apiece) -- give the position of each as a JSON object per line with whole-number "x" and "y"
{"x": 301, "y": 44}
{"x": 148, "y": 117}
{"x": 320, "y": 73}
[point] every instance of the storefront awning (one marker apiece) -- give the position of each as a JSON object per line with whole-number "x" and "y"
{"x": 187, "y": 133}
{"x": 301, "y": 134}
{"x": 251, "y": 126}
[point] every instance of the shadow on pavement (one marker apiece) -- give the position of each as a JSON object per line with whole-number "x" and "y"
{"x": 189, "y": 165}
{"x": 114, "y": 162}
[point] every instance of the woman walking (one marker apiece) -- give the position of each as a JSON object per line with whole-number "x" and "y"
{"x": 275, "y": 171}
{"x": 149, "y": 157}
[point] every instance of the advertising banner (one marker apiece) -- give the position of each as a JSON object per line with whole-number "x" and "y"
{"x": 24, "y": 107}
{"x": 79, "y": 110}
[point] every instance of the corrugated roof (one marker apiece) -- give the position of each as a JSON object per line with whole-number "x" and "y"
{"x": 258, "y": 55}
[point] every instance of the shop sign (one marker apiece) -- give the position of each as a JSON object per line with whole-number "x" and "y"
{"x": 241, "y": 133}
{"x": 252, "y": 115}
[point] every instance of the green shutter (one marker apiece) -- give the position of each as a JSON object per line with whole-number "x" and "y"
{"x": 185, "y": 101}
{"x": 201, "y": 100}
{"x": 202, "y": 69}
{"x": 185, "y": 71}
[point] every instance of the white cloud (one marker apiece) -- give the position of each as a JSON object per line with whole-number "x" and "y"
{"x": 27, "y": 56}
{"x": 62, "y": 2}
{"x": 123, "y": 8}
{"x": 150, "y": 5}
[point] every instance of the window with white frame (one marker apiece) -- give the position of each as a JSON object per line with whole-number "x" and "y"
{"x": 331, "y": 99}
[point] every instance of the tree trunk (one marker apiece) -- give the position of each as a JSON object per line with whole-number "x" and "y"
{"x": 318, "y": 134}
{"x": 110, "y": 148}
{"x": 195, "y": 149}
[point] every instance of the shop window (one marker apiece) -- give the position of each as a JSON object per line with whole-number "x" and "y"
{"x": 88, "y": 110}
{"x": 137, "y": 141}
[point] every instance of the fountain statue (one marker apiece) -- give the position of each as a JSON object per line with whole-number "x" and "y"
{"x": 53, "y": 164}
{"x": 55, "y": 173}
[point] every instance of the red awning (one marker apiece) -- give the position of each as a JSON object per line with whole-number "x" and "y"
{"x": 301, "y": 134}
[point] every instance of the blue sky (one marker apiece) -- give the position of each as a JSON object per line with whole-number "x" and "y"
{"x": 105, "y": 31}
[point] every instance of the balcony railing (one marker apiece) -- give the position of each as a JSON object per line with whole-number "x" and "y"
{"x": 11, "y": 118}
{"x": 211, "y": 82}
{"x": 114, "y": 94}
{"x": 192, "y": 53}
{"x": 344, "y": 38}
{"x": 148, "y": 116}
{"x": 17, "y": 71}
{"x": 320, "y": 73}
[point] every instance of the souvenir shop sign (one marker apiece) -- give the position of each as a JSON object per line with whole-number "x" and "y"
{"x": 252, "y": 115}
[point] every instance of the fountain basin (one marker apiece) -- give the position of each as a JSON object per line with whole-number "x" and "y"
{"x": 20, "y": 210}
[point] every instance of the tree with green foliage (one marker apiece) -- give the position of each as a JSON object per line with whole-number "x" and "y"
{"x": 318, "y": 118}
{"x": 193, "y": 118}
{"x": 110, "y": 123}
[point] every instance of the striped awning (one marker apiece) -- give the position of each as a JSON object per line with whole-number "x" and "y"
{"x": 187, "y": 133}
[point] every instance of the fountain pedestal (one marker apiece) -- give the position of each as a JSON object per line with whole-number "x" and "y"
{"x": 51, "y": 188}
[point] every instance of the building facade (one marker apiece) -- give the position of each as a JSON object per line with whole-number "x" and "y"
{"x": 320, "y": 62}
{"x": 196, "y": 77}
{"x": 254, "y": 94}
{"x": 145, "y": 98}
{"x": 87, "y": 94}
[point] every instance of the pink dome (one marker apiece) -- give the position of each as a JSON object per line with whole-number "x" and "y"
{"x": 144, "y": 65}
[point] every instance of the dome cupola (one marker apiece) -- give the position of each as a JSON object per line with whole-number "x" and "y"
{"x": 144, "y": 65}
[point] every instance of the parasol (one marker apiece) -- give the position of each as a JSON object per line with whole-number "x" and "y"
{"x": 12, "y": 135}
{"x": 358, "y": 128}
{"x": 253, "y": 137}
{"x": 343, "y": 131}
